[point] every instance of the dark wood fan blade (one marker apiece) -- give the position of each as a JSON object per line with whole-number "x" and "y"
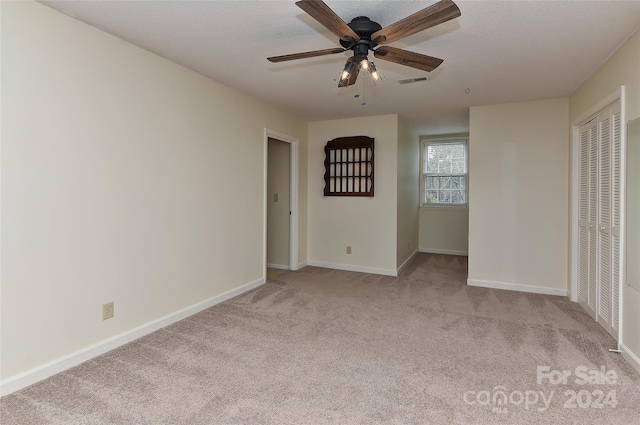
{"x": 322, "y": 13}
{"x": 305, "y": 55}
{"x": 352, "y": 77}
{"x": 407, "y": 58}
{"x": 433, "y": 15}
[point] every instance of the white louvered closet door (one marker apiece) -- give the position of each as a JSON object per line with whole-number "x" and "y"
{"x": 592, "y": 272}
{"x": 586, "y": 217}
{"x": 604, "y": 219}
{"x": 599, "y": 249}
{"x": 616, "y": 185}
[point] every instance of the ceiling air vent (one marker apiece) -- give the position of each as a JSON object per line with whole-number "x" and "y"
{"x": 413, "y": 80}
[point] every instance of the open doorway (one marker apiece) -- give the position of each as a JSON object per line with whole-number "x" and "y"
{"x": 280, "y": 204}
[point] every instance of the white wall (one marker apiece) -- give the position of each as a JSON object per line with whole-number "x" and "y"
{"x": 125, "y": 178}
{"x": 408, "y": 192}
{"x": 622, "y": 68}
{"x": 518, "y": 203}
{"x": 367, "y": 224}
{"x": 444, "y": 230}
{"x": 278, "y": 171}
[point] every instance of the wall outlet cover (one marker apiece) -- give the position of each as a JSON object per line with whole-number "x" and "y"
{"x": 107, "y": 310}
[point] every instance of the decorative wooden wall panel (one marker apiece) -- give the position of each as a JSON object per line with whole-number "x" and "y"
{"x": 348, "y": 166}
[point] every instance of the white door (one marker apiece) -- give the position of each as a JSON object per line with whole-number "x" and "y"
{"x": 604, "y": 219}
{"x": 616, "y": 184}
{"x": 599, "y": 191}
{"x": 587, "y": 217}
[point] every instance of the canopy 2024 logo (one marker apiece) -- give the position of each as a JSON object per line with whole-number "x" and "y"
{"x": 500, "y": 398}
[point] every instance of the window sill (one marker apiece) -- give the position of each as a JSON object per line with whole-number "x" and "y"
{"x": 445, "y": 207}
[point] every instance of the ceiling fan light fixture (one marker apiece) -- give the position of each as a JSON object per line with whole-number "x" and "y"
{"x": 348, "y": 68}
{"x": 344, "y": 76}
{"x": 376, "y": 76}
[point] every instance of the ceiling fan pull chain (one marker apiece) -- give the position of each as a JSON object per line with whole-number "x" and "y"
{"x": 364, "y": 102}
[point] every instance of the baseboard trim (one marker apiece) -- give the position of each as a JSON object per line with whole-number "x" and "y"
{"x": 517, "y": 287}
{"x": 404, "y": 264}
{"x": 68, "y": 361}
{"x": 631, "y": 358}
{"x": 444, "y": 251}
{"x": 302, "y": 265}
{"x": 278, "y": 266}
{"x": 352, "y": 268}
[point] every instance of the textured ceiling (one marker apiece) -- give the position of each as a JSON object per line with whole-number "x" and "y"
{"x": 502, "y": 51}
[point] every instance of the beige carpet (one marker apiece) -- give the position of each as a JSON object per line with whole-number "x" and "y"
{"x": 321, "y": 346}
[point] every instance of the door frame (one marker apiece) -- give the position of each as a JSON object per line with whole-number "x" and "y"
{"x": 293, "y": 196}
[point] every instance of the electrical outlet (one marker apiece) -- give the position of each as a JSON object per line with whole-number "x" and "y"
{"x": 348, "y": 249}
{"x": 107, "y": 310}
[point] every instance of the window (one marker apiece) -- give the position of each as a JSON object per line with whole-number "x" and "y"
{"x": 444, "y": 172}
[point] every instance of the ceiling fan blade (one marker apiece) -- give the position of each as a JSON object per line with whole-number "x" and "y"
{"x": 407, "y": 58}
{"x": 304, "y": 55}
{"x": 433, "y": 15}
{"x": 322, "y": 13}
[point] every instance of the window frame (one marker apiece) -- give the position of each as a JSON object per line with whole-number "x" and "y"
{"x": 443, "y": 140}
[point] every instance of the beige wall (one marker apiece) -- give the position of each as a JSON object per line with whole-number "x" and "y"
{"x": 518, "y": 203}
{"x": 125, "y": 178}
{"x": 622, "y": 68}
{"x": 444, "y": 230}
{"x": 408, "y": 179}
{"x": 278, "y": 171}
{"x": 367, "y": 224}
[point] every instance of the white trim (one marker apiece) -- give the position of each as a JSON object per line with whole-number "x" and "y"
{"x": 265, "y": 201}
{"x": 517, "y": 287}
{"x": 352, "y": 268}
{"x": 573, "y": 211}
{"x": 302, "y": 265}
{"x": 278, "y": 266}
{"x": 448, "y": 207}
{"x": 622, "y": 266}
{"x": 404, "y": 264}
{"x": 444, "y": 251}
{"x": 294, "y": 160}
{"x": 29, "y": 377}
{"x": 631, "y": 358}
{"x": 293, "y": 222}
{"x": 602, "y": 104}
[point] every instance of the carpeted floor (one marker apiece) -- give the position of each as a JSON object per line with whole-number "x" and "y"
{"x": 321, "y": 346}
{"x": 273, "y": 273}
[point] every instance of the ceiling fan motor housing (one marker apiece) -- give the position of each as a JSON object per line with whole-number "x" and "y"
{"x": 364, "y": 27}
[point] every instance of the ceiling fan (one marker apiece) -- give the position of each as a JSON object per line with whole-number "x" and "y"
{"x": 362, "y": 34}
